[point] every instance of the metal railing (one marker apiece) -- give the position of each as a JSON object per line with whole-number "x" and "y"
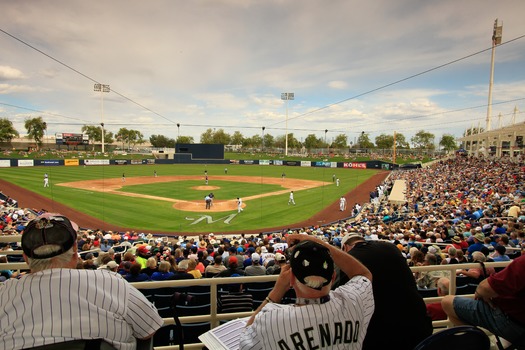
{"x": 215, "y": 318}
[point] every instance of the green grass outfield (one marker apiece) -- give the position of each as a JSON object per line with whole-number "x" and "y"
{"x": 158, "y": 215}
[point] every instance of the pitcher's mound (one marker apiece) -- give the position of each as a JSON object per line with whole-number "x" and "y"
{"x": 202, "y": 188}
{"x": 200, "y": 206}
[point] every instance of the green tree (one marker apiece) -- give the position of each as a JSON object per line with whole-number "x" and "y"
{"x": 207, "y": 136}
{"x": 161, "y": 141}
{"x": 129, "y": 137}
{"x": 312, "y": 142}
{"x": 280, "y": 141}
{"x": 269, "y": 141}
{"x": 7, "y": 130}
{"x": 401, "y": 142}
{"x": 423, "y": 140}
{"x": 185, "y": 139}
{"x": 384, "y": 141}
{"x": 237, "y": 138}
{"x": 135, "y": 137}
{"x": 363, "y": 141}
{"x": 254, "y": 141}
{"x": 122, "y": 136}
{"x": 448, "y": 142}
{"x": 35, "y": 129}
{"x": 95, "y": 134}
{"x": 221, "y": 137}
{"x": 341, "y": 141}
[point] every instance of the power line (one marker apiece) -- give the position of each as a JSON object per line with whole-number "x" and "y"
{"x": 399, "y": 81}
{"x": 271, "y": 126}
{"x": 84, "y": 75}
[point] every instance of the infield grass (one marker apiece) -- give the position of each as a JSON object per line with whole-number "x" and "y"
{"x": 159, "y": 216}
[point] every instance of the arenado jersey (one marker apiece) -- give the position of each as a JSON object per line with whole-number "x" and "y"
{"x": 340, "y": 323}
{"x": 59, "y": 305}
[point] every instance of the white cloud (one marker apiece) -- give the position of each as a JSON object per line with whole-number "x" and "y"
{"x": 225, "y": 63}
{"x": 10, "y": 73}
{"x": 339, "y": 85}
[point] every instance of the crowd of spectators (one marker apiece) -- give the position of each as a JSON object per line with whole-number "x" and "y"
{"x": 473, "y": 204}
{"x": 458, "y": 210}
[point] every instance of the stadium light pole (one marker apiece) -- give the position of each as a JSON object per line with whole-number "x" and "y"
{"x": 102, "y": 88}
{"x": 102, "y": 137}
{"x": 496, "y": 40}
{"x": 327, "y": 148}
{"x": 262, "y": 140}
{"x": 287, "y": 96}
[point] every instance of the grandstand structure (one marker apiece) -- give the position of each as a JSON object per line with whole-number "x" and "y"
{"x": 502, "y": 142}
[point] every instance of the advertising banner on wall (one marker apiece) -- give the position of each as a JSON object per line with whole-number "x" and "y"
{"x": 96, "y": 161}
{"x": 277, "y": 162}
{"x": 71, "y": 162}
{"x": 264, "y": 162}
{"x": 5, "y": 163}
{"x": 291, "y": 163}
{"x": 306, "y": 163}
{"x": 48, "y": 162}
{"x": 355, "y": 165}
{"x": 26, "y": 162}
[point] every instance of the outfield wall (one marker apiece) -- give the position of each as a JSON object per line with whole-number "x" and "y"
{"x": 187, "y": 159}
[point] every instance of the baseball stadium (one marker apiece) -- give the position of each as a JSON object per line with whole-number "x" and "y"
{"x": 259, "y": 175}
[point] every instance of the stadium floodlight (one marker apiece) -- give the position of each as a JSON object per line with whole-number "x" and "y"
{"x": 287, "y": 96}
{"x": 496, "y": 40}
{"x": 327, "y": 147}
{"x": 262, "y": 140}
{"x": 102, "y": 88}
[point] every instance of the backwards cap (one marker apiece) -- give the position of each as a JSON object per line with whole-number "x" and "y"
{"x": 311, "y": 259}
{"x": 48, "y": 235}
{"x": 351, "y": 236}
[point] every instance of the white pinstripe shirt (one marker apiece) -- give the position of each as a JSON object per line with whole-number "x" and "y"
{"x": 59, "y": 305}
{"x": 340, "y": 323}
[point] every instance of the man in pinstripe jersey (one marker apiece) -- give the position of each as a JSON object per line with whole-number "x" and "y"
{"x": 320, "y": 318}
{"x": 57, "y": 303}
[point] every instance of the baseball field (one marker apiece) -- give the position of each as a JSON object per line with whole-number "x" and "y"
{"x": 131, "y": 197}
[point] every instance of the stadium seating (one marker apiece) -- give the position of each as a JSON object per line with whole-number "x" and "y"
{"x": 456, "y": 338}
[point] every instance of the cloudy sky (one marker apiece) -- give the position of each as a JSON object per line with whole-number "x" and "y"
{"x": 377, "y": 66}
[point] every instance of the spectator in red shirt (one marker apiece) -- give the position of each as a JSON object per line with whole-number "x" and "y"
{"x": 435, "y": 310}
{"x": 499, "y": 304}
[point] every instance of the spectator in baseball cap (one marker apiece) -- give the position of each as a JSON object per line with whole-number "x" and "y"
{"x": 311, "y": 273}
{"x": 54, "y": 285}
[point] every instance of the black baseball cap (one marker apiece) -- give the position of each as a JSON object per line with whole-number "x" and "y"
{"x": 309, "y": 259}
{"x": 53, "y": 231}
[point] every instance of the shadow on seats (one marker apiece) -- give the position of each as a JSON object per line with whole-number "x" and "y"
{"x": 428, "y": 293}
{"x": 456, "y": 338}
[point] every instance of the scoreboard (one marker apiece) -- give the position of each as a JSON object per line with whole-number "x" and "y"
{"x": 71, "y": 139}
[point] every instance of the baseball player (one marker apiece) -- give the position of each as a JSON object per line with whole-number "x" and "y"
{"x": 337, "y": 182}
{"x": 291, "y": 200}
{"x": 46, "y": 180}
{"x": 239, "y": 205}
{"x": 320, "y": 317}
{"x": 342, "y": 203}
